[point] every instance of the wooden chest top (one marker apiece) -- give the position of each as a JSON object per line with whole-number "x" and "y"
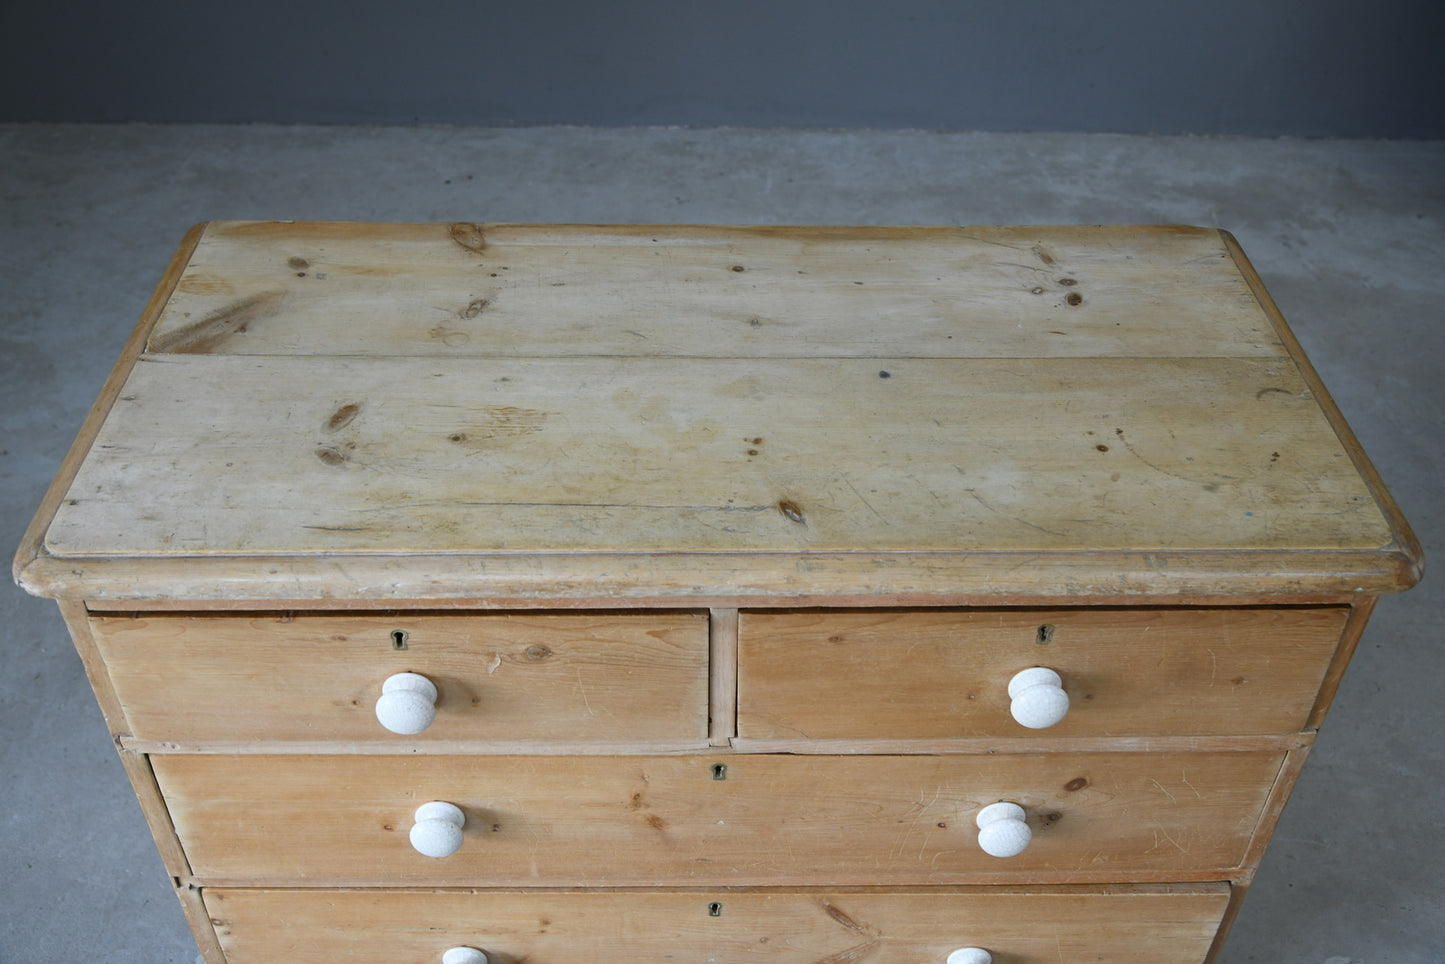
{"x": 510, "y": 413}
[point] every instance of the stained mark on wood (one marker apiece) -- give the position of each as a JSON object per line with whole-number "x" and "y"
{"x": 1076, "y": 784}
{"x": 870, "y": 934}
{"x": 792, "y": 511}
{"x": 1042, "y": 254}
{"x": 342, "y": 417}
{"x": 841, "y": 917}
{"x": 1271, "y": 391}
{"x": 1074, "y": 299}
{"x": 475, "y": 308}
{"x": 297, "y": 264}
{"x": 469, "y": 236}
{"x": 215, "y": 329}
{"x": 1068, "y": 282}
{"x": 330, "y": 456}
{"x": 499, "y": 423}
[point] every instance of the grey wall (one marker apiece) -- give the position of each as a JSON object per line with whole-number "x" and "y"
{"x": 1261, "y": 67}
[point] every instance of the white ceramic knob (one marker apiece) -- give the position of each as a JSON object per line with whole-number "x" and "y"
{"x": 464, "y": 955}
{"x": 437, "y": 830}
{"x": 408, "y": 703}
{"x": 1002, "y": 831}
{"x": 1038, "y": 697}
{"x": 970, "y": 955}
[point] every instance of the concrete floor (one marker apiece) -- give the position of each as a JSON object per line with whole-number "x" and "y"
{"x": 1349, "y": 236}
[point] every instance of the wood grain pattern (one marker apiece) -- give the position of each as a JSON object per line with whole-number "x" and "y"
{"x": 900, "y": 674}
{"x": 606, "y": 679}
{"x": 695, "y": 291}
{"x": 224, "y": 456}
{"x": 579, "y": 580}
{"x": 32, "y": 544}
{"x": 1169, "y": 924}
{"x": 723, "y": 672}
{"x": 1404, "y": 536}
{"x": 1110, "y": 429}
{"x": 603, "y": 822}
{"x": 275, "y": 441}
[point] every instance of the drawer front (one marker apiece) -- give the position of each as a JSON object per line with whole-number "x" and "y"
{"x": 599, "y": 678}
{"x": 597, "y": 821}
{"x": 945, "y": 674}
{"x": 1122, "y": 925}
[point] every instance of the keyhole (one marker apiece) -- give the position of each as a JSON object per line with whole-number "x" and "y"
{"x": 398, "y": 639}
{"x": 719, "y": 771}
{"x": 1046, "y": 634}
{"x": 714, "y": 909}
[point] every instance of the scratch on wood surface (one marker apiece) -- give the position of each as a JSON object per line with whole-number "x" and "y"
{"x": 1163, "y": 790}
{"x": 208, "y": 334}
{"x": 849, "y": 483}
{"x": 494, "y": 664}
{"x": 574, "y": 505}
{"x": 999, "y": 244}
{"x": 920, "y": 808}
{"x": 582, "y": 688}
{"x": 1023, "y": 522}
{"x": 857, "y": 952}
{"x": 1161, "y": 833}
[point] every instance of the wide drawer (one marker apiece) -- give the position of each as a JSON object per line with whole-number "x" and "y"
{"x": 945, "y": 673}
{"x": 715, "y": 819}
{"x": 1171, "y": 924}
{"x": 600, "y": 678}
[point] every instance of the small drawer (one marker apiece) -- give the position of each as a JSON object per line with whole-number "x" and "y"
{"x": 712, "y": 820}
{"x": 593, "y": 678}
{"x": 1164, "y": 924}
{"x": 940, "y": 674}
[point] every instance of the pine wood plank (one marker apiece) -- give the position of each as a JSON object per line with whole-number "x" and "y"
{"x": 32, "y": 544}
{"x": 668, "y": 458}
{"x": 499, "y": 290}
{"x": 769, "y": 820}
{"x": 723, "y": 671}
{"x": 194, "y": 907}
{"x": 1404, "y": 536}
{"x": 1122, "y": 925}
{"x": 900, "y": 674}
{"x": 211, "y": 455}
{"x": 606, "y": 679}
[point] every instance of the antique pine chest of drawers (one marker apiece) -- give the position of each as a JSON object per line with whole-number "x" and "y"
{"x": 495, "y": 593}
